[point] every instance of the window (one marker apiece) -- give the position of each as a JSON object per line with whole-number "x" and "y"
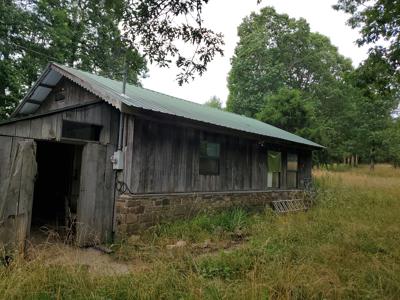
{"x": 209, "y": 158}
{"x": 59, "y": 94}
{"x": 274, "y": 169}
{"x": 292, "y": 166}
{"x": 80, "y": 131}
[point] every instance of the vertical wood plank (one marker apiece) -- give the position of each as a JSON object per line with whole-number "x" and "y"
{"x": 92, "y": 199}
{"x": 8, "y": 129}
{"x": 17, "y": 193}
{"x": 36, "y": 128}
{"x": 23, "y": 128}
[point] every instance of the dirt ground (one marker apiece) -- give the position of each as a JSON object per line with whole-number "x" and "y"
{"x": 52, "y": 250}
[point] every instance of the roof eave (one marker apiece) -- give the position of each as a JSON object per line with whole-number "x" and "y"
{"x": 115, "y": 100}
{"x": 30, "y": 91}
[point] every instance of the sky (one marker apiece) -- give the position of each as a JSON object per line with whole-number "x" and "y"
{"x": 225, "y": 16}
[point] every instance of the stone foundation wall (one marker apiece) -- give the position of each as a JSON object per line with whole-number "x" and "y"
{"x": 138, "y": 212}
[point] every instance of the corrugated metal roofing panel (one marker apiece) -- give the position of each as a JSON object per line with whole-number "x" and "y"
{"x": 155, "y": 101}
{"x": 111, "y": 91}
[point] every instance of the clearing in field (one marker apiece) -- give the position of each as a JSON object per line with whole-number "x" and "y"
{"x": 346, "y": 246}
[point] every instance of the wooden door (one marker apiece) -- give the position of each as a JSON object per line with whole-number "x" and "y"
{"x": 96, "y": 197}
{"x": 18, "y": 161}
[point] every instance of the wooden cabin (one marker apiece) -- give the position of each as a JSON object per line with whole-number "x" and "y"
{"x": 78, "y": 150}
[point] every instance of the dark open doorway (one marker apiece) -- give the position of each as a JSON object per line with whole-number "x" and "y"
{"x": 56, "y": 188}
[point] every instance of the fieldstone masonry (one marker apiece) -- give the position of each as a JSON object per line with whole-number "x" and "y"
{"x": 138, "y": 212}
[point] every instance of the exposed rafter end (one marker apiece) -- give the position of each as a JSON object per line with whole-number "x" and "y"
{"x": 47, "y": 86}
{"x": 37, "y": 102}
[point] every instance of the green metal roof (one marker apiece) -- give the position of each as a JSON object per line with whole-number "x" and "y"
{"x": 139, "y": 97}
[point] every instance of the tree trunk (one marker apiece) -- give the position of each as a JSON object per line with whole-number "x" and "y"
{"x": 372, "y": 161}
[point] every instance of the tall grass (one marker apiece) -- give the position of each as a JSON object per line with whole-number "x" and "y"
{"x": 347, "y": 246}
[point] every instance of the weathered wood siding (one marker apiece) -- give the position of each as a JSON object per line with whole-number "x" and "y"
{"x": 17, "y": 175}
{"x": 74, "y": 94}
{"x": 95, "y": 213}
{"x": 165, "y": 159}
{"x": 97, "y": 180}
{"x": 49, "y": 127}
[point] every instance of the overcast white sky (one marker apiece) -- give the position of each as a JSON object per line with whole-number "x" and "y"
{"x": 225, "y": 16}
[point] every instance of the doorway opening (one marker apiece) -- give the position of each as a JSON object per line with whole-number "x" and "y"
{"x": 56, "y": 192}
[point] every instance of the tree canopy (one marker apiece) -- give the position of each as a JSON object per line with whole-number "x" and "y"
{"x": 287, "y": 76}
{"x": 288, "y": 109}
{"x": 157, "y": 27}
{"x": 379, "y": 76}
{"x": 101, "y": 37}
{"x": 379, "y": 23}
{"x": 276, "y": 51}
{"x": 82, "y": 34}
{"x": 214, "y": 102}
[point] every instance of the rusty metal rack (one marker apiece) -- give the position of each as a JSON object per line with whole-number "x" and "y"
{"x": 289, "y": 205}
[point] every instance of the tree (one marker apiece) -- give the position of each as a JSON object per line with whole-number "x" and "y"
{"x": 100, "y": 37}
{"x": 378, "y": 99}
{"x": 378, "y": 20}
{"x": 276, "y": 51}
{"x": 392, "y": 143}
{"x": 289, "y": 110}
{"x": 81, "y": 34}
{"x": 214, "y": 102}
{"x": 377, "y": 78}
{"x": 279, "y": 59}
{"x": 14, "y": 23}
{"x": 157, "y": 27}
{"x": 85, "y": 34}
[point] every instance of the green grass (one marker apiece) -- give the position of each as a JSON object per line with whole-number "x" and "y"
{"x": 347, "y": 246}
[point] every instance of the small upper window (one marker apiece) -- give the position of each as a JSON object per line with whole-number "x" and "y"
{"x": 209, "y": 158}
{"x": 80, "y": 131}
{"x": 59, "y": 94}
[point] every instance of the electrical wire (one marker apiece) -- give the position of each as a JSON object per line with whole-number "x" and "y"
{"x": 32, "y": 51}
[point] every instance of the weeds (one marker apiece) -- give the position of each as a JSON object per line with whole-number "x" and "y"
{"x": 346, "y": 246}
{"x": 202, "y": 226}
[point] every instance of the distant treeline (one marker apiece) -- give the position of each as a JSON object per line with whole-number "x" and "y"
{"x": 286, "y": 75}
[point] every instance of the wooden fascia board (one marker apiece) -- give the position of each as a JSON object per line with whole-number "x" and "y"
{"x": 185, "y": 122}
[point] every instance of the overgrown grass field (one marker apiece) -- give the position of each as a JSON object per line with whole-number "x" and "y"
{"x": 346, "y": 246}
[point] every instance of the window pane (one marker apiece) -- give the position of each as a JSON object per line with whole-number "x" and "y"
{"x": 274, "y": 179}
{"x": 209, "y": 158}
{"x": 292, "y": 162}
{"x": 81, "y": 131}
{"x": 208, "y": 166}
{"x": 274, "y": 161}
{"x": 213, "y": 149}
{"x": 291, "y": 179}
{"x": 209, "y": 149}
